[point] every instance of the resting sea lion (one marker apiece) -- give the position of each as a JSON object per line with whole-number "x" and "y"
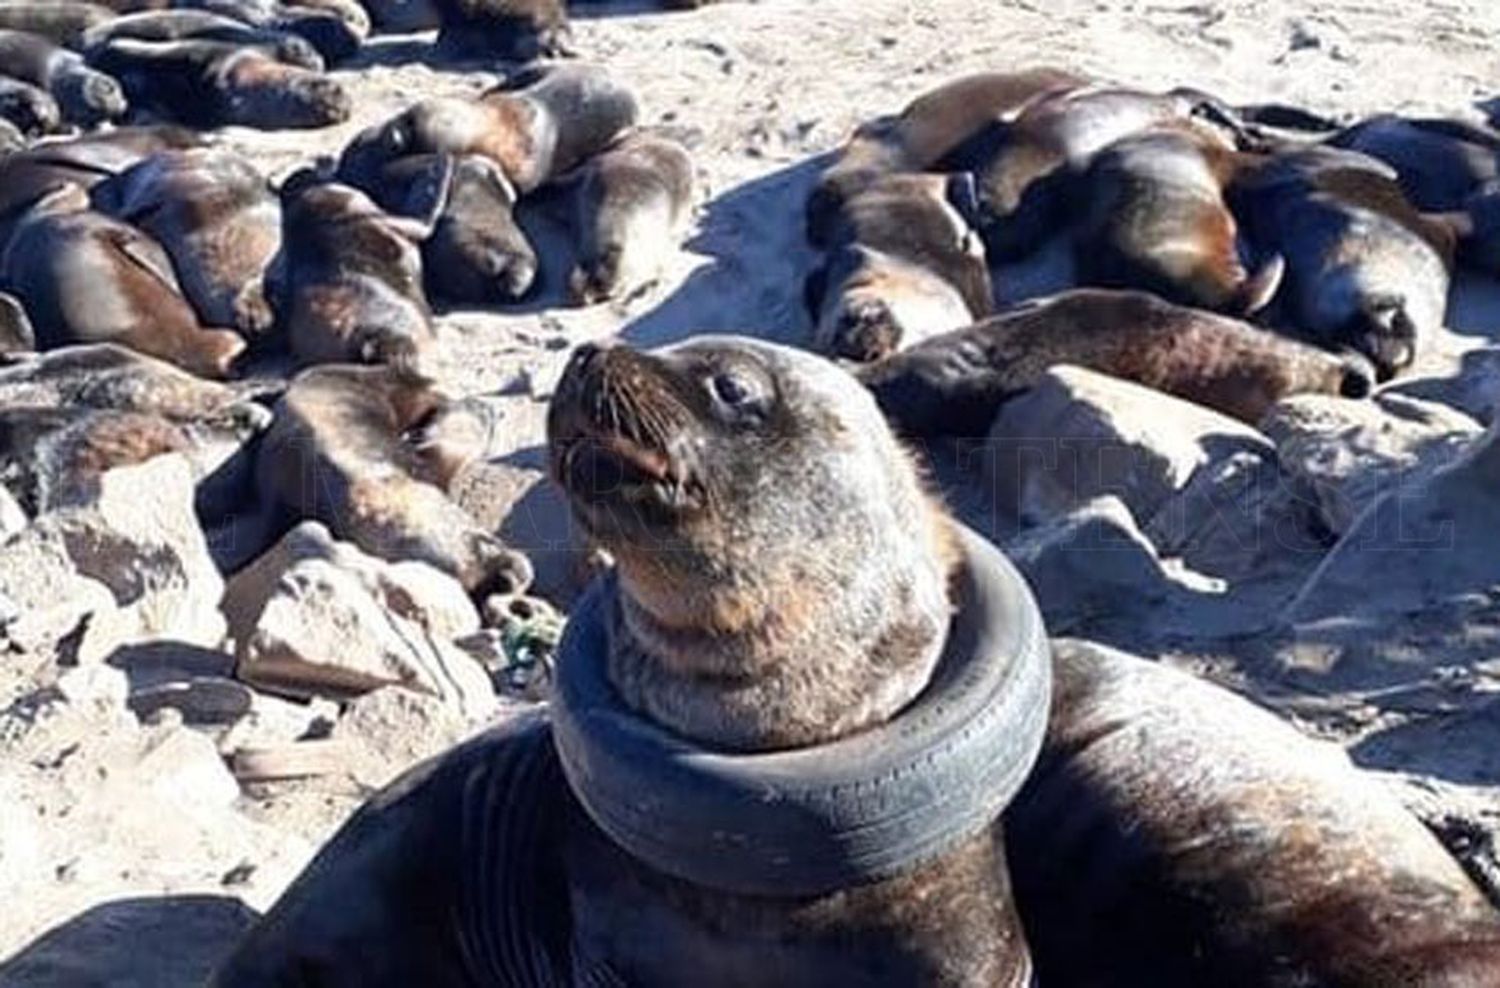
{"x": 1025, "y": 166}
{"x": 87, "y": 96}
{"x": 952, "y": 385}
{"x": 1174, "y": 835}
{"x": 86, "y": 278}
{"x": 362, "y": 450}
{"x": 1443, "y": 166}
{"x": 347, "y": 285}
{"x": 928, "y": 130}
{"x": 30, "y": 109}
{"x": 1155, "y": 218}
{"x": 403, "y": 16}
{"x": 203, "y": 25}
{"x": 560, "y": 116}
{"x": 212, "y": 84}
{"x": 1364, "y": 268}
{"x": 906, "y": 266}
{"x": 515, "y": 30}
{"x": 61, "y": 22}
{"x": 632, "y": 203}
{"x": 218, "y": 219}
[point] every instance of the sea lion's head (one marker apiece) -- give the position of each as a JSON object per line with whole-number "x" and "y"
{"x": 782, "y": 574}
{"x": 30, "y": 109}
{"x": 89, "y": 97}
{"x": 477, "y": 251}
{"x": 263, "y": 92}
{"x": 866, "y": 305}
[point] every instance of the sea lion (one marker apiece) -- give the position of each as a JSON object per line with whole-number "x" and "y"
{"x": 953, "y": 384}
{"x": 1174, "y": 835}
{"x": 218, "y": 219}
{"x": 403, "y": 16}
{"x": 1364, "y": 269}
{"x": 1443, "y": 166}
{"x": 17, "y": 335}
{"x": 31, "y": 109}
{"x": 906, "y": 265}
{"x": 85, "y": 160}
{"x": 11, "y": 138}
{"x": 61, "y": 22}
{"x": 87, "y": 96}
{"x": 553, "y": 119}
{"x": 477, "y": 253}
{"x": 631, "y": 205}
{"x": 928, "y": 130}
{"x": 213, "y": 84}
{"x": 514, "y": 30}
{"x": 347, "y": 284}
{"x": 1155, "y": 218}
{"x": 363, "y": 450}
{"x": 1025, "y": 166}
{"x": 203, "y": 25}
{"x": 86, "y": 278}
{"x": 709, "y": 471}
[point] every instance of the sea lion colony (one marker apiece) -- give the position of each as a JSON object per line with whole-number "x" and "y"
{"x": 162, "y": 295}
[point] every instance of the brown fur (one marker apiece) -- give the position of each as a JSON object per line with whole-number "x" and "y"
{"x": 339, "y": 451}
{"x": 1374, "y": 192}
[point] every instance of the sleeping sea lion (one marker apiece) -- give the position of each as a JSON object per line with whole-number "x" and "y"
{"x": 62, "y": 22}
{"x": 86, "y": 278}
{"x": 203, "y": 25}
{"x": 218, "y": 219}
{"x": 86, "y": 95}
{"x": 213, "y": 84}
{"x": 953, "y": 384}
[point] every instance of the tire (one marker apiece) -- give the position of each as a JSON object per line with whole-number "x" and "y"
{"x": 809, "y": 821}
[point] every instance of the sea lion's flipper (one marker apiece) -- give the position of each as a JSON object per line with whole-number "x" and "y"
{"x": 1260, "y": 288}
{"x": 146, "y": 255}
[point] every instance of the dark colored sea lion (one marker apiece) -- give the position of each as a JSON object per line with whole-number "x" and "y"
{"x": 346, "y": 448}
{"x": 549, "y": 121}
{"x": 516, "y": 30}
{"x": 1175, "y": 835}
{"x": 1154, "y": 217}
{"x": 31, "y": 109}
{"x": 905, "y": 265}
{"x": 87, "y": 96}
{"x": 203, "y": 25}
{"x": 218, "y": 219}
{"x": 213, "y": 84}
{"x": 85, "y": 278}
{"x": 1364, "y": 269}
{"x": 61, "y": 22}
{"x": 347, "y": 285}
{"x": 952, "y": 385}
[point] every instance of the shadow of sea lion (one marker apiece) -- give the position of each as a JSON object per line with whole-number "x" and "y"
{"x": 168, "y": 942}
{"x": 759, "y": 257}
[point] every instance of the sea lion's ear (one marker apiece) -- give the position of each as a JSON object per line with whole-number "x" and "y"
{"x": 962, "y": 193}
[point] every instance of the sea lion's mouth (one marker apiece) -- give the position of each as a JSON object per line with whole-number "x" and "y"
{"x": 615, "y": 434}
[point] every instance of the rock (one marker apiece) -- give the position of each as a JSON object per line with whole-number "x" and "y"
{"x": 1420, "y": 545}
{"x": 1473, "y": 389}
{"x": 94, "y": 683}
{"x": 183, "y": 768}
{"x": 1092, "y": 562}
{"x": 272, "y": 721}
{"x": 389, "y": 730}
{"x": 140, "y": 542}
{"x": 13, "y": 518}
{"x": 200, "y": 701}
{"x": 1241, "y": 518}
{"x": 316, "y": 617}
{"x": 297, "y": 760}
{"x": 1078, "y": 435}
{"x": 1348, "y": 453}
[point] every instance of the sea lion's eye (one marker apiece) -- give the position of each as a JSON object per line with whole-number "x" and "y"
{"x": 731, "y": 389}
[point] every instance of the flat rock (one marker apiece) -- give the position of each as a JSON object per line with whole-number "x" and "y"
{"x": 1473, "y": 388}
{"x": 1079, "y": 435}
{"x": 1349, "y": 453}
{"x": 1420, "y": 545}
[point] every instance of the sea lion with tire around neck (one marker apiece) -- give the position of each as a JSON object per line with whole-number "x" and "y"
{"x": 632, "y": 840}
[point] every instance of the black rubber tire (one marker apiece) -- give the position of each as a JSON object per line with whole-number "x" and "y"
{"x": 809, "y": 821}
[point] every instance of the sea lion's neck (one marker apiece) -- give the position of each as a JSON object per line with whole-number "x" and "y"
{"x": 780, "y": 663}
